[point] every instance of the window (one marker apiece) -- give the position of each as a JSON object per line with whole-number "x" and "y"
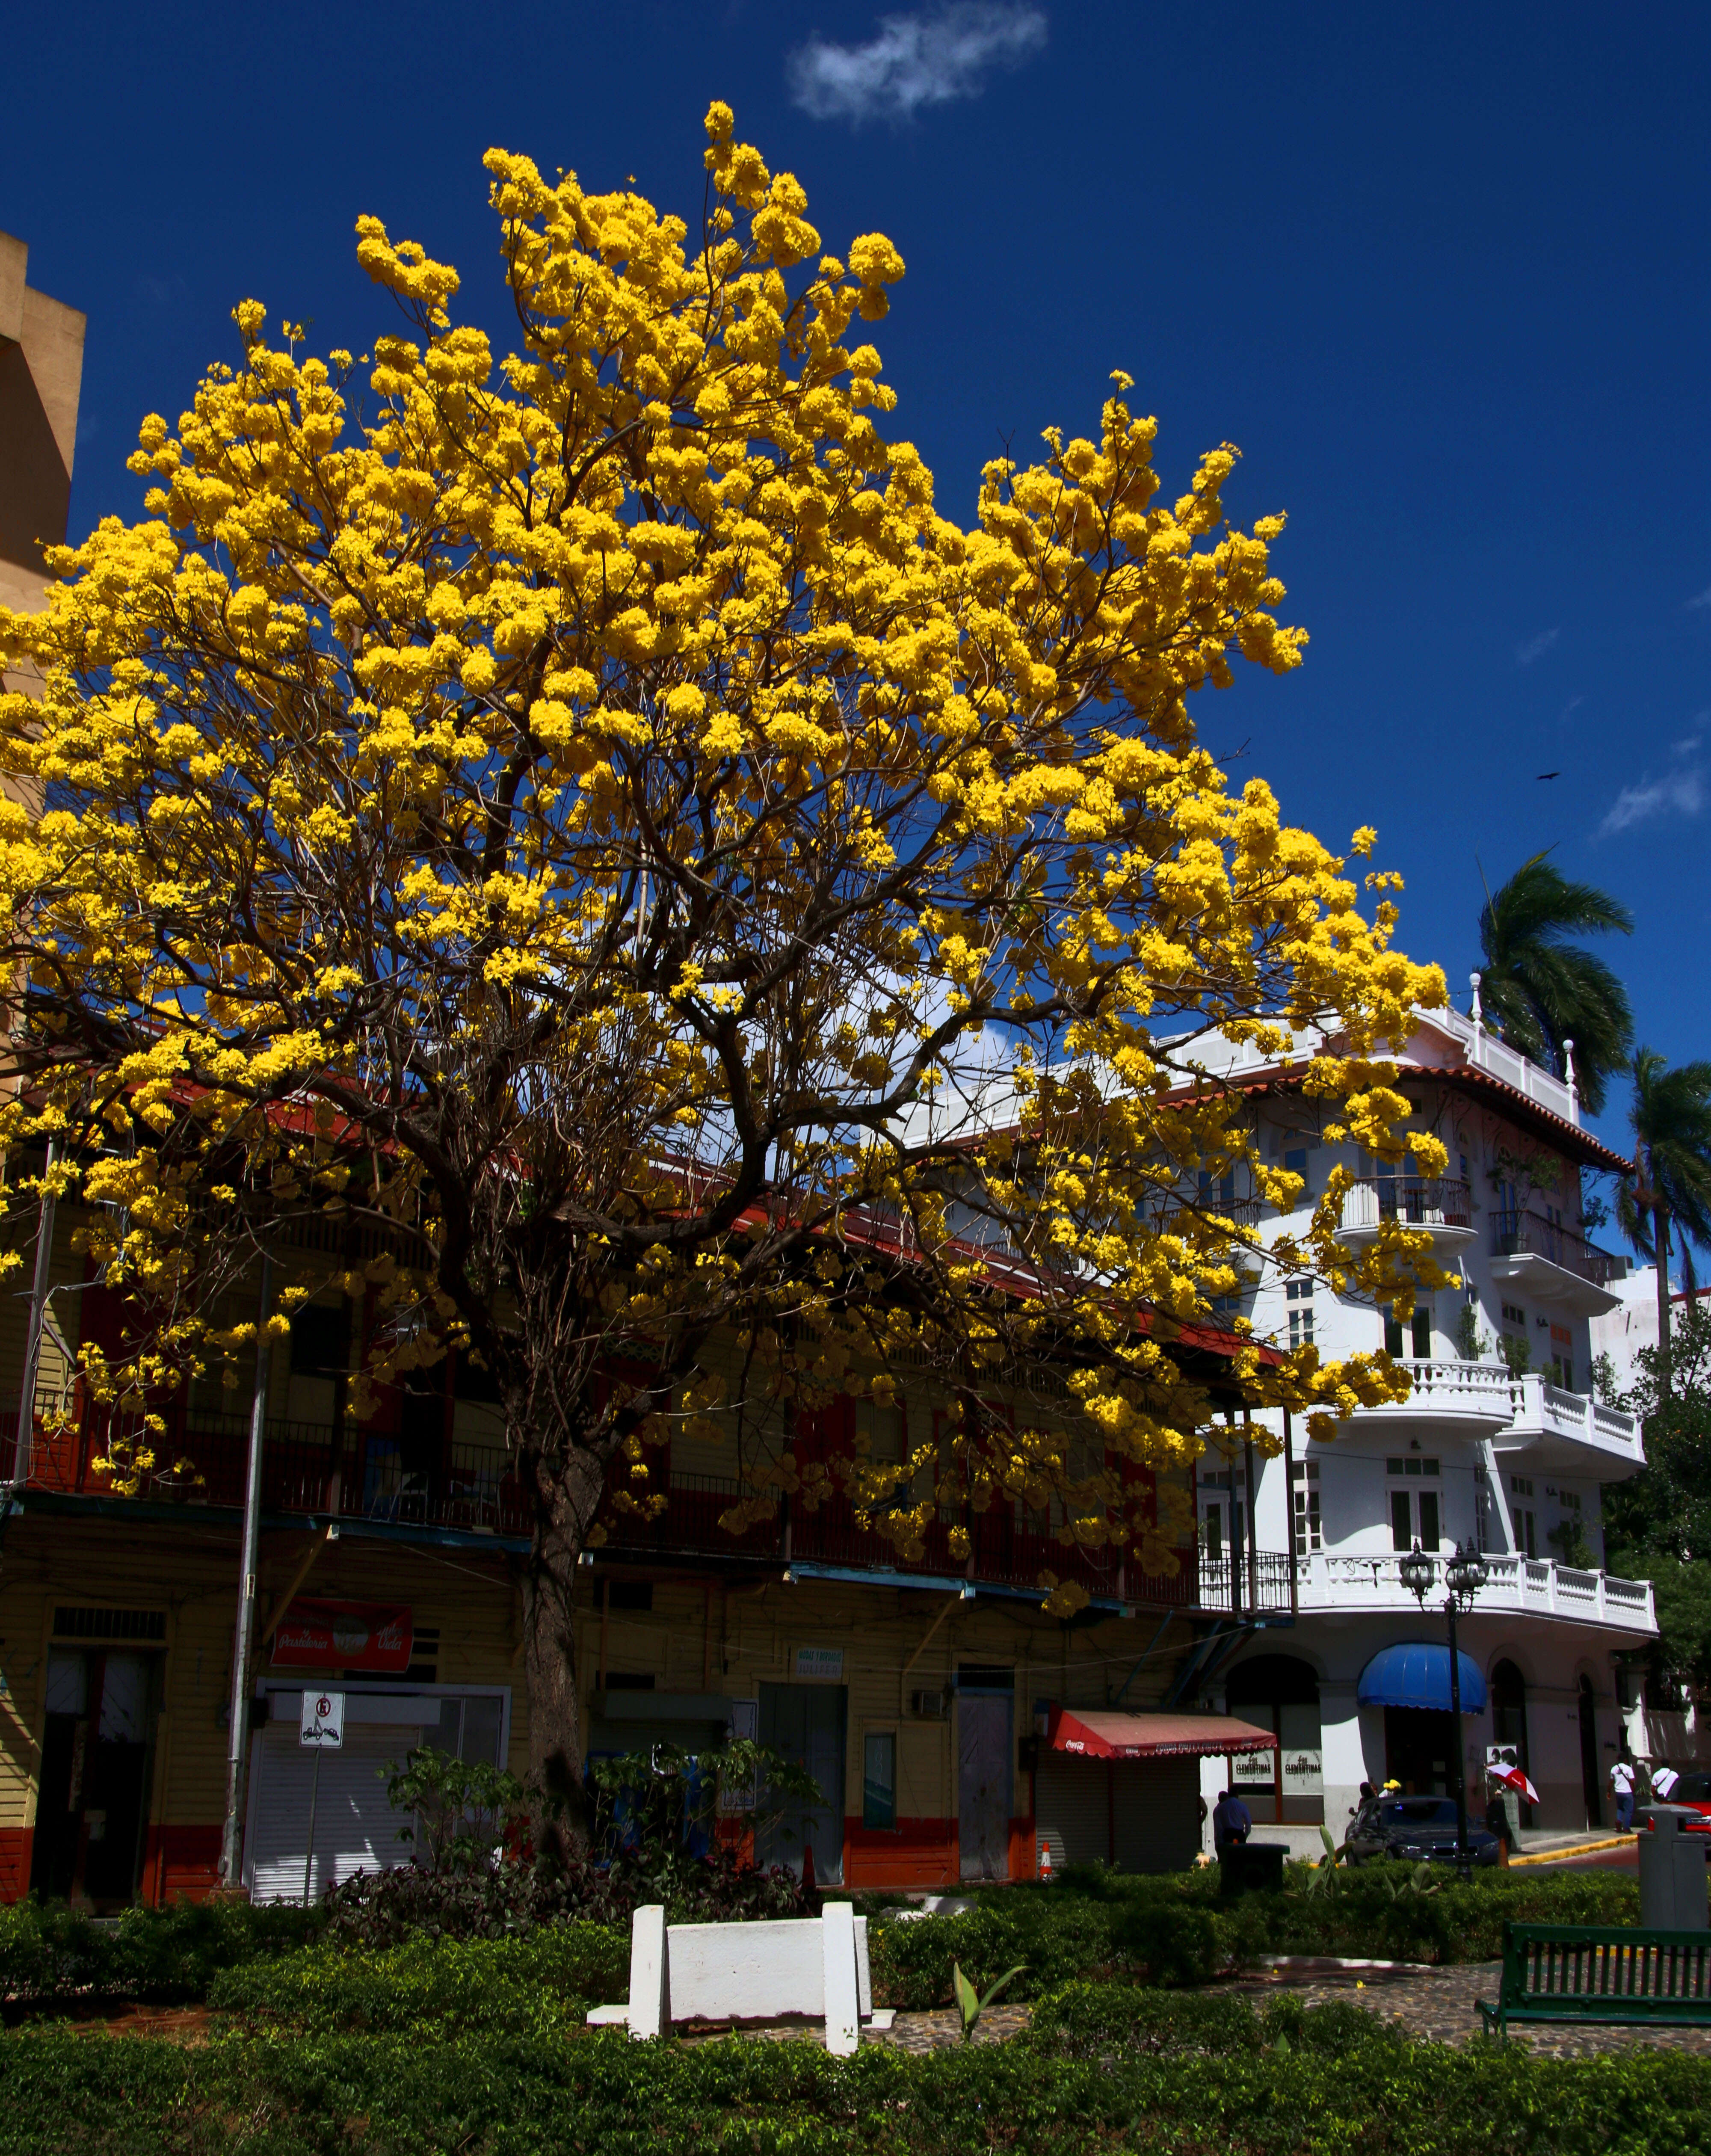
{"x": 1525, "y": 1523}
{"x": 1416, "y": 1515}
{"x": 1219, "y": 1191}
{"x": 1295, "y": 1163}
{"x": 1571, "y": 1501}
{"x": 1309, "y": 1535}
{"x": 1415, "y": 1342}
{"x": 1514, "y": 1315}
{"x": 1298, "y": 1295}
{"x": 879, "y": 1778}
{"x": 1562, "y": 1357}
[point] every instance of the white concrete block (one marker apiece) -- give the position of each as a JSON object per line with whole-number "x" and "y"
{"x": 649, "y": 1973}
{"x": 843, "y": 2015}
{"x": 747, "y": 1972}
{"x": 864, "y": 1981}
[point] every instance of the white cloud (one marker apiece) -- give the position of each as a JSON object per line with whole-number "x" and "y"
{"x": 1535, "y": 647}
{"x": 914, "y": 60}
{"x": 1703, "y": 599}
{"x": 1679, "y": 793}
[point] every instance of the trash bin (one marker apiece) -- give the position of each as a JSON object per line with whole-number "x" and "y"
{"x": 1253, "y": 1868}
{"x": 1672, "y": 1870}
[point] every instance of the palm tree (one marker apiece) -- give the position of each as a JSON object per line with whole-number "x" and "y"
{"x": 1542, "y": 991}
{"x": 1669, "y": 1184}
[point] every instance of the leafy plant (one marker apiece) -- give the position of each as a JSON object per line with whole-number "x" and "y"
{"x": 463, "y": 1809}
{"x": 1324, "y": 1878}
{"x": 972, "y": 2004}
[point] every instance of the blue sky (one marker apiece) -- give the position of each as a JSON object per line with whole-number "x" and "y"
{"x": 1439, "y": 272}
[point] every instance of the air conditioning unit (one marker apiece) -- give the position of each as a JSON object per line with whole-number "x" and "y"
{"x": 929, "y": 1706}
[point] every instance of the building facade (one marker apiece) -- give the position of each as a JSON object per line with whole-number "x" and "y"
{"x": 1500, "y": 1445}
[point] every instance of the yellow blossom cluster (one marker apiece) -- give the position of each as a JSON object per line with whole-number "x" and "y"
{"x": 582, "y": 819}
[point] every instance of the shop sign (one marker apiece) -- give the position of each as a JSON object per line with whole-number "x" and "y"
{"x": 322, "y": 1723}
{"x": 1252, "y": 1768}
{"x": 344, "y": 1635}
{"x": 824, "y": 1665}
{"x": 1303, "y": 1772}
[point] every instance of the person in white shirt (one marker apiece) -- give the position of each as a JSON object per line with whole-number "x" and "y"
{"x": 1621, "y": 1780}
{"x": 1663, "y": 1782}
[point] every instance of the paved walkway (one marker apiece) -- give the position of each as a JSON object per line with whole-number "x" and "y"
{"x": 1438, "y": 2005}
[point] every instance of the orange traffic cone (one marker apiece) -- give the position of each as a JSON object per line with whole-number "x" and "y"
{"x": 1045, "y": 1862}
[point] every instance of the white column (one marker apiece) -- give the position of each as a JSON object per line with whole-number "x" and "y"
{"x": 650, "y": 1977}
{"x": 842, "y": 2004}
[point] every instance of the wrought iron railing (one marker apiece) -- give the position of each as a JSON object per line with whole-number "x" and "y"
{"x": 1517, "y": 1234}
{"x": 307, "y": 1468}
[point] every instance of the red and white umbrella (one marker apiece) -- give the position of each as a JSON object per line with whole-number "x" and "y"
{"x": 1512, "y": 1778}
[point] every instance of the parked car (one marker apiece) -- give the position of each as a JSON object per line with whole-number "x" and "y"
{"x": 1413, "y": 1830}
{"x": 1693, "y": 1790}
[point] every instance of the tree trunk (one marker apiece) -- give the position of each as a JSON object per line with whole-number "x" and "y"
{"x": 1660, "y": 1244}
{"x": 567, "y": 1497}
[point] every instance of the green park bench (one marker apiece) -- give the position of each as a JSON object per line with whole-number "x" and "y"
{"x": 1601, "y": 1972}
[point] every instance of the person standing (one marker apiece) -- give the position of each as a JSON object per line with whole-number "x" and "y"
{"x": 1232, "y": 1822}
{"x": 1621, "y": 1782}
{"x": 1663, "y": 1781}
{"x": 1497, "y": 1822}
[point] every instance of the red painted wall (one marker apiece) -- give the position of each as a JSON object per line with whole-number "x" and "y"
{"x": 921, "y": 1852}
{"x": 180, "y": 1860}
{"x": 14, "y": 1862}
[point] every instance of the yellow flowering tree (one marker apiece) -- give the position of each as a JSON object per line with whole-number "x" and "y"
{"x": 725, "y": 931}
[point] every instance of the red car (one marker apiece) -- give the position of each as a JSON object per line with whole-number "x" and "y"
{"x": 1693, "y": 1790}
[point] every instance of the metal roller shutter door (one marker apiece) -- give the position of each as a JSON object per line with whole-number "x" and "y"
{"x": 1072, "y": 1810}
{"x": 355, "y": 1830}
{"x": 1158, "y": 1817}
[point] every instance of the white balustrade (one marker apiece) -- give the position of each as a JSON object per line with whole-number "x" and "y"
{"x": 1338, "y": 1580}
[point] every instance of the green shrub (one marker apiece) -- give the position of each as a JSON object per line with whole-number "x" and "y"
{"x": 1097, "y": 2021}
{"x": 538, "y": 1984}
{"x": 1175, "y": 1929}
{"x": 383, "y": 2094}
{"x": 49, "y": 1951}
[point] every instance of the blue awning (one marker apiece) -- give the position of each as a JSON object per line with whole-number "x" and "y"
{"x": 1418, "y": 1674}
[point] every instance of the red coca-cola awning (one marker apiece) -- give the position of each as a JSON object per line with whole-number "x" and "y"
{"x": 1099, "y": 1734}
{"x": 314, "y": 1634}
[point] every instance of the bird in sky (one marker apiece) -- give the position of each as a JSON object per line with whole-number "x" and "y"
{"x": 1548, "y": 774}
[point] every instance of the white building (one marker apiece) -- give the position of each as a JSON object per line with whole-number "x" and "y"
{"x": 1499, "y": 1445}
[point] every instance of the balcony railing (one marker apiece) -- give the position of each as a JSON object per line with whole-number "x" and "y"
{"x": 375, "y": 1477}
{"x": 1332, "y": 1581}
{"x": 1417, "y": 1202}
{"x": 1525, "y": 1234}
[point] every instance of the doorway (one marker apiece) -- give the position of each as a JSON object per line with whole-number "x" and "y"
{"x": 1508, "y": 1722}
{"x": 1281, "y": 1693}
{"x": 1590, "y": 1783}
{"x": 92, "y": 1802}
{"x": 986, "y": 1705}
{"x": 1419, "y": 1749}
{"x": 806, "y": 1723}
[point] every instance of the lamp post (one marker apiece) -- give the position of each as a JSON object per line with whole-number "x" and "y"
{"x": 1464, "y": 1575}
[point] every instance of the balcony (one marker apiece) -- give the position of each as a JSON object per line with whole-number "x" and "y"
{"x": 1548, "y": 1264}
{"x": 1556, "y": 1432}
{"x": 1442, "y": 1205}
{"x": 365, "y": 1476}
{"x": 1449, "y": 1398}
{"x": 1514, "y": 1585}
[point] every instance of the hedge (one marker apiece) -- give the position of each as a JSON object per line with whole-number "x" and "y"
{"x": 1175, "y": 1930}
{"x": 1171, "y": 1930}
{"x": 540, "y": 1983}
{"x": 49, "y": 1952}
{"x": 1162, "y": 2082}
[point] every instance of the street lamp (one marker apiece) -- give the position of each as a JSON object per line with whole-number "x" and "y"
{"x": 1464, "y": 1575}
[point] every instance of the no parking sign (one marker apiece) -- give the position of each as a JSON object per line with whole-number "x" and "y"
{"x": 322, "y": 1725}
